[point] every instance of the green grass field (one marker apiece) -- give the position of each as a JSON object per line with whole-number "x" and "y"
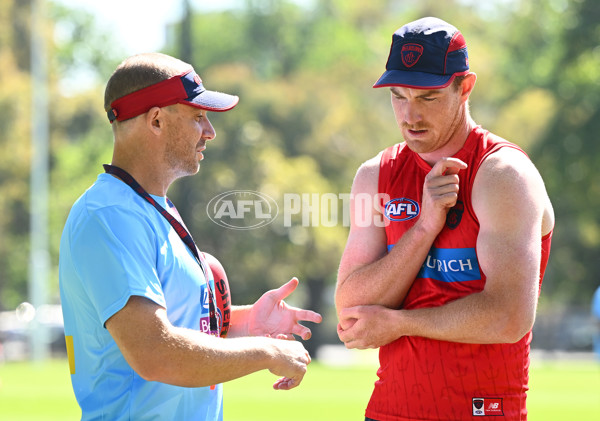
{"x": 560, "y": 390}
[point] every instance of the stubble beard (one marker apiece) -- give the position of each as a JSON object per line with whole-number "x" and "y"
{"x": 180, "y": 160}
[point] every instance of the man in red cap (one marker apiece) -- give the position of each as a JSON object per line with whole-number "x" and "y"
{"x": 445, "y": 279}
{"x": 142, "y": 324}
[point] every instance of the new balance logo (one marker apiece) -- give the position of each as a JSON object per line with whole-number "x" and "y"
{"x": 483, "y": 407}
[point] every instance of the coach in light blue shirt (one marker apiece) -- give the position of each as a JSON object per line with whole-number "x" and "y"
{"x": 596, "y": 316}
{"x": 141, "y": 320}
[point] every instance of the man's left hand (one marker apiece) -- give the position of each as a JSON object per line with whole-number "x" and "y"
{"x": 271, "y": 316}
{"x": 364, "y": 327}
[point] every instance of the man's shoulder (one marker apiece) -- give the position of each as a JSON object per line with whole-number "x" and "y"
{"x": 368, "y": 171}
{"x": 107, "y": 195}
{"x": 509, "y": 176}
{"x": 108, "y": 202}
{"x": 507, "y": 159}
{"x": 389, "y": 153}
{"x": 373, "y": 162}
{"x": 495, "y": 153}
{"x": 108, "y": 191}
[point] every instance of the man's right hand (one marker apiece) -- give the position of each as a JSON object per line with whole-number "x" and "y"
{"x": 440, "y": 192}
{"x": 291, "y": 361}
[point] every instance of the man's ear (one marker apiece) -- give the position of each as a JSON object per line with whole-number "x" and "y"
{"x": 154, "y": 120}
{"x": 468, "y": 84}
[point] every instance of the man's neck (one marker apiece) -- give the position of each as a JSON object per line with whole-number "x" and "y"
{"x": 151, "y": 178}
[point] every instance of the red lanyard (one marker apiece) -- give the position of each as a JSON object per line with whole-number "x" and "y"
{"x": 179, "y": 229}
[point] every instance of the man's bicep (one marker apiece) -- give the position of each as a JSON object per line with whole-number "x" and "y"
{"x": 509, "y": 209}
{"x": 366, "y": 242}
{"x": 138, "y": 314}
{"x": 137, "y": 328}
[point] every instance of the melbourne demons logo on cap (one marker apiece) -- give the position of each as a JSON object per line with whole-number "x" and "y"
{"x": 411, "y": 53}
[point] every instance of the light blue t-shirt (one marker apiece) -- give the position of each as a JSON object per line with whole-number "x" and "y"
{"x": 115, "y": 245}
{"x": 596, "y": 315}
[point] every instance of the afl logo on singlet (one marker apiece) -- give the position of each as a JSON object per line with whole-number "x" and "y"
{"x": 401, "y": 209}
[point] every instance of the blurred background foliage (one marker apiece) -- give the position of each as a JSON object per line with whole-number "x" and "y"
{"x": 306, "y": 120}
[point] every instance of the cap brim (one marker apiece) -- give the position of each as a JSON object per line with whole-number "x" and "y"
{"x": 214, "y": 101}
{"x": 417, "y": 80}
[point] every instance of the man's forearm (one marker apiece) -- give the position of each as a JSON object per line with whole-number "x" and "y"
{"x": 477, "y": 318}
{"x": 194, "y": 359}
{"x": 238, "y": 326}
{"x": 386, "y": 281}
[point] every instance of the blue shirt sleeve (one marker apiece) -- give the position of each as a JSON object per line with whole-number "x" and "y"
{"x": 114, "y": 251}
{"x": 596, "y": 304}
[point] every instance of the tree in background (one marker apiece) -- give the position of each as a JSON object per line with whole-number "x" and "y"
{"x": 80, "y": 140}
{"x": 547, "y": 99}
{"x": 569, "y": 150}
{"x": 14, "y": 152}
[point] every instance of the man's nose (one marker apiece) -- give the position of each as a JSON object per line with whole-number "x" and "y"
{"x": 208, "y": 131}
{"x": 411, "y": 114}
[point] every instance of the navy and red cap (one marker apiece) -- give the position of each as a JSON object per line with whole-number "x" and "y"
{"x": 425, "y": 54}
{"x": 185, "y": 88}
